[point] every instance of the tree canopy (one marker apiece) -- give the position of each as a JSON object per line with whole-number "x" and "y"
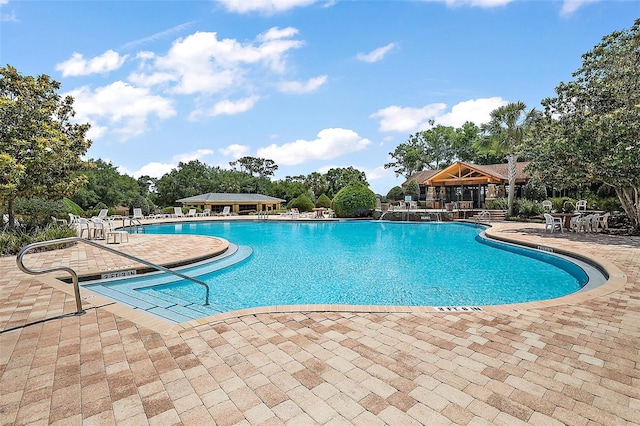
{"x": 38, "y": 139}
{"x": 505, "y": 134}
{"x": 590, "y": 131}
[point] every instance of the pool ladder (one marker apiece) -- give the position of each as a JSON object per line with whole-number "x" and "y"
{"x": 74, "y": 275}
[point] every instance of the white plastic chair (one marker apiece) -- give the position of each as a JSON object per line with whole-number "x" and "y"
{"x": 137, "y": 213}
{"x": 552, "y": 223}
{"x": 547, "y": 205}
{"x": 192, "y": 213}
{"x": 103, "y": 213}
{"x": 177, "y": 212}
{"x": 581, "y": 206}
{"x": 226, "y": 211}
{"x": 83, "y": 225}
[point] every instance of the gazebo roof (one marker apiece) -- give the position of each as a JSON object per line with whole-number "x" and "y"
{"x": 461, "y": 173}
{"x": 223, "y": 197}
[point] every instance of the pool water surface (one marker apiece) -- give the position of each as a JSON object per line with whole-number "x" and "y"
{"x": 366, "y": 263}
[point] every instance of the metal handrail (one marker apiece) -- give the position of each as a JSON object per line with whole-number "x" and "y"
{"x": 74, "y": 275}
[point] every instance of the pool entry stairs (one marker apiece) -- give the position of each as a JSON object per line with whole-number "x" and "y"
{"x": 143, "y": 292}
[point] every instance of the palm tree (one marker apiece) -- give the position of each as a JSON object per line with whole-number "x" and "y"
{"x": 505, "y": 134}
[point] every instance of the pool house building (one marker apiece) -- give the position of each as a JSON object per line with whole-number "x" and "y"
{"x": 237, "y": 203}
{"x": 466, "y": 185}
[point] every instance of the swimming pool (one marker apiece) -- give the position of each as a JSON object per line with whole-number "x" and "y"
{"x": 364, "y": 263}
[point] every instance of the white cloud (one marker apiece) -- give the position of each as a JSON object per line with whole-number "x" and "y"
{"x": 407, "y": 119}
{"x": 125, "y": 108}
{"x": 227, "y": 107}
{"x": 329, "y": 144}
{"x": 570, "y": 6}
{"x": 376, "y": 55}
{"x": 77, "y": 65}
{"x": 298, "y": 87}
{"x": 267, "y": 7}
{"x": 157, "y": 170}
{"x": 201, "y": 63}
{"x": 235, "y": 151}
{"x": 475, "y": 110}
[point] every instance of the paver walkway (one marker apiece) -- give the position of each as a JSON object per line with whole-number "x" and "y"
{"x": 565, "y": 364}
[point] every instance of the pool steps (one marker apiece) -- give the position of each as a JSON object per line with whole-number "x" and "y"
{"x": 169, "y": 307}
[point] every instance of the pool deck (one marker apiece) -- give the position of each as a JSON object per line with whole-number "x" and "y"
{"x": 573, "y": 360}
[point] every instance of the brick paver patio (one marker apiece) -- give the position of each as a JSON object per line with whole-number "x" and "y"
{"x": 574, "y": 362}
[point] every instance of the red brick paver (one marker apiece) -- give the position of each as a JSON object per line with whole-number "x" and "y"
{"x": 572, "y": 362}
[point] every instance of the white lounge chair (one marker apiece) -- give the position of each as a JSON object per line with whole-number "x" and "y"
{"x": 177, "y": 212}
{"x": 137, "y": 213}
{"x": 103, "y": 213}
{"x": 552, "y": 223}
{"x": 191, "y": 213}
{"x": 226, "y": 211}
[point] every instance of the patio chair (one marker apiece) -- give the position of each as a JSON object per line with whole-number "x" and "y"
{"x": 226, "y": 211}
{"x": 83, "y": 225}
{"x": 603, "y": 221}
{"x": 205, "y": 212}
{"x": 191, "y": 213}
{"x": 99, "y": 230}
{"x": 552, "y": 223}
{"x": 137, "y": 213}
{"x": 177, "y": 212}
{"x": 61, "y": 222}
{"x": 547, "y": 205}
{"x": 581, "y": 206}
{"x": 103, "y": 213}
{"x": 584, "y": 223}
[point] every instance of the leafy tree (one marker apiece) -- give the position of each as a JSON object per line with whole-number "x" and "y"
{"x": 395, "y": 194}
{"x": 317, "y": 183}
{"x": 413, "y": 189}
{"x": 590, "y": 131}
{"x": 255, "y": 166}
{"x": 505, "y": 134}
{"x": 354, "y": 200}
{"x": 409, "y": 157}
{"x": 106, "y": 185}
{"x": 39, "y": 138}
{"x": 338, "y": 178}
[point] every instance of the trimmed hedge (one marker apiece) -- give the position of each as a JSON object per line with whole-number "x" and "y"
{"x": 354, "y": 200}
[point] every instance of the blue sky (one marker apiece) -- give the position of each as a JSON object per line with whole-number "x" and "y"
{"x": 308, "y": 84}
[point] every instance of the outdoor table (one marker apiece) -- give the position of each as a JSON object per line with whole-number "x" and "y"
{"x": 566, "y": 217}
{"x": 318, "y": 211}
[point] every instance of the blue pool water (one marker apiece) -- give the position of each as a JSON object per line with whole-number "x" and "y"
{"x": 368, "y": 263}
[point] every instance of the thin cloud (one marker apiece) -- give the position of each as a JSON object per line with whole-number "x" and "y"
{"x": 329, "y": 144}
{"x": 408, "y": 119}
{"x": 376, "y": 55}
{"x": 570, "y": 6}
{"x": 77, "y": 65}
{"x": 266, "y": 7}
{"x": 157, "y": 36}
{"x": 297, "y": 87}
{"x": 235, "y": 151}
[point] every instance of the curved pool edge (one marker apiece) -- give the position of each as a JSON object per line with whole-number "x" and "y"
{"x": 616, "y": 280}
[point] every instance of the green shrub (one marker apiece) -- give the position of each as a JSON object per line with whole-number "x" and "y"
{"x": 559, "y": 202}
{"x": 11, "y": 242}
{"x": 354, "y": 200}
{"x": 323, "y": 201}
{"x": 302, "y": 203}
{"x": 527, "y": 208}
{"x": 36, "y": 212}
{"x": 73, "y": 207}
{"x": 497, "y": 204}
{"x": 395, "y": 194}
{"x": 609, "y": 204}
{"x": 140, "y": 202}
